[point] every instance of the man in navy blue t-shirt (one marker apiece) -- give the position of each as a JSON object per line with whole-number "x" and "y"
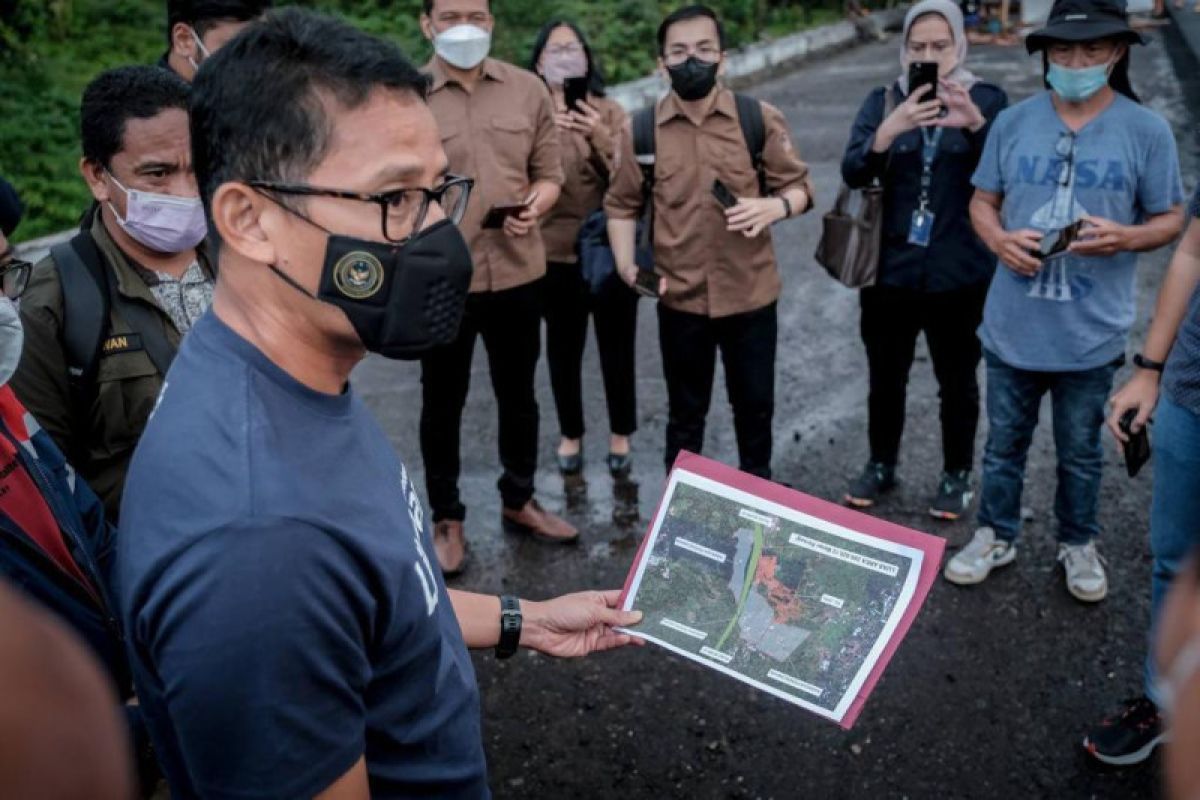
{"x": 1170, "y": 356}
{"x": 289, "y": 632}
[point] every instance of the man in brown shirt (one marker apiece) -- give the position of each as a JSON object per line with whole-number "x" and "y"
{"x": 497, "y": 126}
{"x": 720, "y": 281}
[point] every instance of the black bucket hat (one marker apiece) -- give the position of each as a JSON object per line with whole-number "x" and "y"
{"x": 1084, "y": 21}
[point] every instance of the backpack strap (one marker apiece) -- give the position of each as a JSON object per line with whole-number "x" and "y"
{"x": 644, "y": 146}
{"x": 89, "y": 295}
{"x": 754, "y": 131}
{"x": 85, "y": 303}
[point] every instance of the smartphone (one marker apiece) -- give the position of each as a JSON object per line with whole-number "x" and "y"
{"x": 575, "y": 90}
{"x": 1057, "y": 241}
{"x": 646, "y": 283}
{"x": 921, "y": 73}
{"x": 497, "y": 214}
{"x": 726, "y": 198}
{"x": 1137, "y": 449}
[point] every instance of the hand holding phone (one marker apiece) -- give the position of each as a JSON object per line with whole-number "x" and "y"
{"x": 1137, "y": 448}
{"x": 726, "y": 198}
{"x": 647, "y": 283}
{"x": 1055, "y": 242}
{"x": 575, "y": 91}
{"x": 498, "y": 214}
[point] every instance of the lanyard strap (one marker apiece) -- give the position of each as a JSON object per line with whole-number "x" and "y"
{"x": 928, "y": 152}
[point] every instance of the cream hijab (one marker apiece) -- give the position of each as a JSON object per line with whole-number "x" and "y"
{"x": 953, "y": 16}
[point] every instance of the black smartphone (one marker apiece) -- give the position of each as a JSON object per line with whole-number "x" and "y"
{"x": 497, "y": 214}
{"x": 646, "y": 283}
{"x": 726, "y": 198}
{"x": 1057, "y": 241}
{"x": 1137, "y": 449}
{"x": 922, "y": 73}
{"x": 575, "y": 91}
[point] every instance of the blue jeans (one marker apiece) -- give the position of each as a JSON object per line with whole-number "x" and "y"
{"x": 1013, "y": 399}
{"x": 1174, "y": 531}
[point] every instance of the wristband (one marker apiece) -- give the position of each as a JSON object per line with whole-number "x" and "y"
{"x": 787, "y": 207}
{"x": 510, "y": 626}
{"x": 1142, "y": 362}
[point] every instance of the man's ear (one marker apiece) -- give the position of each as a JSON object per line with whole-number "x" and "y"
{"x": 182, "y": 41}
{"x": 427, "y": 27}
{"x": 94, "y": 174}
{"x": 243, "y": 218}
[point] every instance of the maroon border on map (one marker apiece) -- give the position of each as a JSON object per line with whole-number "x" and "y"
{"x": 932, "y": 546}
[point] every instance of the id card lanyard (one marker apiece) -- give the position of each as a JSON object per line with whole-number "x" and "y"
{"x": 921, "y": 228}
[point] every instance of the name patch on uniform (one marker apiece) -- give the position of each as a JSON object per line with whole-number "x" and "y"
{"x": 122, "y": 343}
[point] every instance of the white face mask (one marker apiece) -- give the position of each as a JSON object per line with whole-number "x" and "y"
{"x": 463, "y": 46}
{"x": 203, "y": 51}
{"x": 12, "y": 338}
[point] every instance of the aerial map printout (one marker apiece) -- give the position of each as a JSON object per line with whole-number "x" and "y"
{"x": 795, "y": 596}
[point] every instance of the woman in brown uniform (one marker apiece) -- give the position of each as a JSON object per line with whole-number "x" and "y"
{"x": 588, "y": 137}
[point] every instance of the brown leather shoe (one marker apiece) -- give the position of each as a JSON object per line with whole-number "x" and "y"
{"x": 450, "y": 545}
{"x": 539, "y": 523}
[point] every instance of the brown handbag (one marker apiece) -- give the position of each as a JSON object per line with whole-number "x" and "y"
{"x": 852, "y": 233}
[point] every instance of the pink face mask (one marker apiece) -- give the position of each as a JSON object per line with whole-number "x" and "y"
{"x": 557, "y": 67}
{"x": 162, "y": 222}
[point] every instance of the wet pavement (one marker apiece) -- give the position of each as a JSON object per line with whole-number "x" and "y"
{"x": 994, "y": 688}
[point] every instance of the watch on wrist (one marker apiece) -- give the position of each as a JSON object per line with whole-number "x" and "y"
{"x": 510, "y": 626}
{"x": 787, "y": 207}
{"x": 1142, "y": 362}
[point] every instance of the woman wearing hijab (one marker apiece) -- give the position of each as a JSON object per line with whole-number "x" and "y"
{"x": 588, "y": 136}
{"x": 933, "y": 270}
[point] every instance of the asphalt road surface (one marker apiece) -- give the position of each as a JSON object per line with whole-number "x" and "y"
{"x": 993, "y": 690}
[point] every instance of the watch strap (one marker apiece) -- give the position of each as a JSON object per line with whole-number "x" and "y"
{"x": 510, "y": 626}
{"x": 1141, "y": 361}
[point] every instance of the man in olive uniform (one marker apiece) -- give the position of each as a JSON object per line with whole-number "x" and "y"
{"x": 130, "y": 285}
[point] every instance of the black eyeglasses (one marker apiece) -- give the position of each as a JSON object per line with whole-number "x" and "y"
{"x": 14, "y": 277}
{"x": 403, "y": 211}
{"x": 1065, "y": 150}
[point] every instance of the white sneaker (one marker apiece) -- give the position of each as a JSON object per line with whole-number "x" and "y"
{"x": 1086, "y": 580}
{"x": 976, "y": 561}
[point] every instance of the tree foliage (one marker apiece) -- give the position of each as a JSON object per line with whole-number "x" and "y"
{"x": 50, "y": 49}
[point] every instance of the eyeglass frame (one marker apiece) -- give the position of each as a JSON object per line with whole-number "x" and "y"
{"x": 1068, "y": 158}
{"x": 24, "y": 269}
{"x": 381, "y": 199}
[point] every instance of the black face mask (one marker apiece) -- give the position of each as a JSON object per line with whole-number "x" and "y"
{"x": 402, "y": 299}
{"x": 693, "y": 79}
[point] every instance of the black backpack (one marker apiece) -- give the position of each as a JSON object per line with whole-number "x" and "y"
{"x": 592, "y": 245}
{"x": 754, "y": 131}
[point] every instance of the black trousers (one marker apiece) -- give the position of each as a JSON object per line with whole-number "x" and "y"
{"x": 892, "y": 318}
{"x": 614, "y": 310}
{"x": 510, "y": 323}
{"x": 747, "y": 345}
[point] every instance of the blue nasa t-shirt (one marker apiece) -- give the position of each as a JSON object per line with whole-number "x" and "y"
{"x": 284, "y": 613}
{"x": 1075, "y": 313}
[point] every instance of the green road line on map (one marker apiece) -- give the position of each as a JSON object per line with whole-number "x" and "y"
{"x": 751, "y": 569}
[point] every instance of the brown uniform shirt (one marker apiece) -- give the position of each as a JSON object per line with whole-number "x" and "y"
{"x": 502, "y": 134}
{"x": 709, "y": 270}
{"x": 587, "y": 162}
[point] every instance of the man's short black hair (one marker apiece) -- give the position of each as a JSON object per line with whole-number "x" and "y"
{"x": 202, "y": 15}
{"x": 683, "y": 15}
{"x": 122, "y": 94}
{"x": 427, "y": 6}
{"x": 277, "y": 126}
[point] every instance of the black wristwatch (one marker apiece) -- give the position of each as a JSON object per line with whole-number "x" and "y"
{"x": 1141, "y": 361}
{"x": 510, "y": 626}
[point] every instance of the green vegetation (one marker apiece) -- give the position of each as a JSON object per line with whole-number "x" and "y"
{"x": 50, "y": 49}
